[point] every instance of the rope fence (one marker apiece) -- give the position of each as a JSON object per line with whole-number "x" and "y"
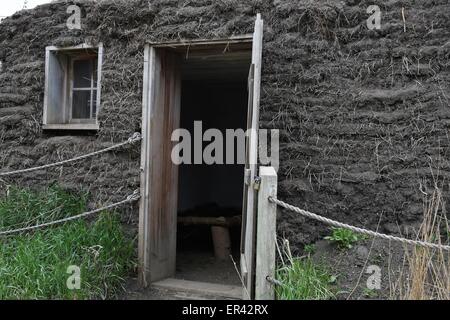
{"x": 356, "y": 229}
{"x": 133, "y": 139}
{"x": 131, "y": 198}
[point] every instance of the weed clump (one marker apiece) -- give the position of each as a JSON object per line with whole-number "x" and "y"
{"x": 344, "y": 238}
{"x": 300, "y": 278}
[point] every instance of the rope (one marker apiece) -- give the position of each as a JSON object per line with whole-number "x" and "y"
{"x": 134, "y": 138}
{"x": 131, "y": 198}
{"x": 356, "y": 229}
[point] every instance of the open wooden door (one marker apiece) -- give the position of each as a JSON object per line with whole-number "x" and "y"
{"x": 159, "y": 175}
{"x": 248, "y": 239}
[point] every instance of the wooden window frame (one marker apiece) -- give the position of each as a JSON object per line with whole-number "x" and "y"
{"x": 64, "y": 106}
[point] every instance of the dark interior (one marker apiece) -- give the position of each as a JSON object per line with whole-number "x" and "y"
{"x": 221, "y": 106}
{"x": 217, "y": 96}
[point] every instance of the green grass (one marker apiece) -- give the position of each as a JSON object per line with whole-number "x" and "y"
{"x": 23, "y": 207}
{"x": 301, "y": 278}
{"x": 344, "y": 238}
{"x": 34, "y": 265}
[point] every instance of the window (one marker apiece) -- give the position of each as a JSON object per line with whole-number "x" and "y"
{"x": 72, "y": 87}
{"x": 83, "y": 90}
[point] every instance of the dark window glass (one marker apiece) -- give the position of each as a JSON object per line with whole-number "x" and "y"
{"x": 82, "y": 73}
{"x": 81, "y": 107}
{"x": 95, "y": 72}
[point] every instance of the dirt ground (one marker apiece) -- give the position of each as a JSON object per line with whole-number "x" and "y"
{"x": 350, "y": 268}
{"x": 353, "y": 267}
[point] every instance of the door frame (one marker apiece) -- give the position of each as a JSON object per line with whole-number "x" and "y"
{"x": 145, "y": 213}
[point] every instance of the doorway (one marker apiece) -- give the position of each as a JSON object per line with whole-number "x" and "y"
{"x": 213, "y": 96}
{"x": 194, "y": 216}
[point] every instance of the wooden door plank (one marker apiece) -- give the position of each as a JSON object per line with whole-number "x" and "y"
{"x": 169, "y": 193}
{"x": 163, "y": 202}
{"x": 159, "y": 181}
{"x": 250, "y": 198}
{"x": 247, "y": 185}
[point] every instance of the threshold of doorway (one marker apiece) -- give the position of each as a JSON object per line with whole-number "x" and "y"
{"x": 220, "y": 291}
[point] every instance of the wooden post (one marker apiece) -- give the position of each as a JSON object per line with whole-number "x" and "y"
{"x": 143, "y": 241}
{"x": 266, "y": 234}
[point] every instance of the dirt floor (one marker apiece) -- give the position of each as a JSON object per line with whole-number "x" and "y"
{"x": 203, "y": 266}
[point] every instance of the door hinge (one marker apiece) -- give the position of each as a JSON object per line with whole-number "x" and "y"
{"x": 256, "y": 183}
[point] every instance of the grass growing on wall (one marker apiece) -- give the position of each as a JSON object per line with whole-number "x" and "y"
{"x": 35, "y": 265}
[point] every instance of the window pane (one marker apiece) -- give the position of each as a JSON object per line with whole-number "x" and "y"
{"x": 82, "y": 72}
{"x": 95, "y": 72}
{"x": 81, "y": 106}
